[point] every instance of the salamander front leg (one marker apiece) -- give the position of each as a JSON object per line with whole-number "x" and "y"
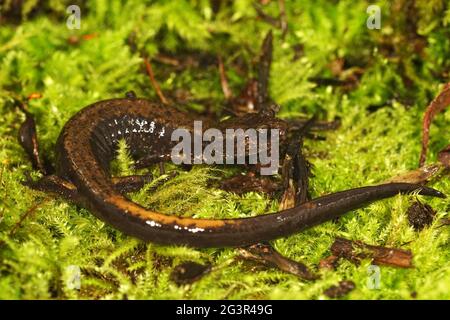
{"x": 29, "y": 141}
{"x": 49, "y": 182}
{"x": 295, "y": 173}
{"x": 296, "y": 124}
{"x": 265, "y": 254}
{"x": 131, "y": 183}
{"x": 149, "y": 160}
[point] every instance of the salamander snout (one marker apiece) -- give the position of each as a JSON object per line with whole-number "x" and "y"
{"x": 432, "y": 192}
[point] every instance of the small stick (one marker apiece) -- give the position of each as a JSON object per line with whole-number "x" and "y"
{"x": 280, "y": 22}
{"x": 283, "y": 18}
{"x": 6, "y": 192}
{"x": 167, "y": 60}
{"x": 265, "y": 17}
{"x": 223, "y": 79}
{"x": 444, "y": 222}
{"x": 29, "y": 212}
{"x": 89, "y": 36}
{"x": 444, "y": 156}
{"x": 264, "y": 72}
{"x": 328, "y": 81}
{"x": 153, "y": 81}
{"x": 357, "y": 250}
{"x": 34, "y": 95}
{"x": 436, "y": 106}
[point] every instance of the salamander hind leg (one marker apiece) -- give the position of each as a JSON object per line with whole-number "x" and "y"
{"x": 53, "y": 184}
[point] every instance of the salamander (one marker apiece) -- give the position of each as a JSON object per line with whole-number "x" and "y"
{"x": 87, "y": 144}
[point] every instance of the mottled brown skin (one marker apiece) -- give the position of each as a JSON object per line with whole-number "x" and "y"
{"x": 88, "y": 143}
{"x": 241, "y": 184}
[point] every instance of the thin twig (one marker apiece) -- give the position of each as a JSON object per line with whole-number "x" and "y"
{"x": 265, "y": 62}
{"x": 167, "y": 60}
{"x": 436, "y": 106}
{"x": 223, "y": 79}
{"x": 6, "y": 193}
{"x": 29, "y": 212}
{"x": 153, "y": 81}
{"x": 283, "y": 18}
{"x": 444, "y": 156}
{"x": 444, "y": 222}
{"x": 265, "y": 17}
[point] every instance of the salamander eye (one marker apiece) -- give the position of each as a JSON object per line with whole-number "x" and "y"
{"x": 130, "y": 94}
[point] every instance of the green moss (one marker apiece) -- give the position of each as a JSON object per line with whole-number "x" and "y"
{"x": 42, "y": 236}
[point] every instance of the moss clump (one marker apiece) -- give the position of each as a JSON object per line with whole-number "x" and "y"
{"x": 42, "y": 237}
